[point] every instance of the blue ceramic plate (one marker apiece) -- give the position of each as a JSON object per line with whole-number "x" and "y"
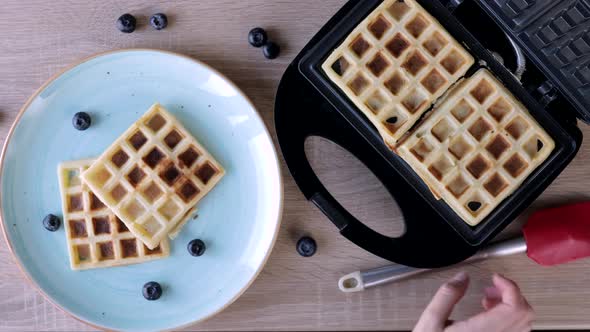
{"x": 239, "y": 219}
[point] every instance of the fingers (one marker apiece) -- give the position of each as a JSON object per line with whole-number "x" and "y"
{"x": 523, "y": 326}
{"x": 506, "y": 310}
{"x": 492, "y": 293}
{"x": 492, "y": 298}
{"x": 440, "y": 307}
{"x": 500, "y": 318}
{"x": 508, "y": 289}
{"x": 447, "y": 296}
{"x": 493, "y": 320}
{"x": 449, "y": 322}
{"x": 488, "y": 303}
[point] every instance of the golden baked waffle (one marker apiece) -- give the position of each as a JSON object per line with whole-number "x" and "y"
{"x": 476, "y": 147}
{"x": 395, "y": 64}
{"x": 95, "y": 236}
{"x": 192, "y": 214}
{"x": 153, "y": 175}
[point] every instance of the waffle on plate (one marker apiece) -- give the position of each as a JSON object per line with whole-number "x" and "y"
{"x": 476, "y": 146}
{"x": 153, "y": 175}
{"x": 395, "y": 64}
{"x": 95, "y": 236}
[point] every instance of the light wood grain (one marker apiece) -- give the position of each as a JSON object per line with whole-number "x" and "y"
{"x": 39, "y": 38}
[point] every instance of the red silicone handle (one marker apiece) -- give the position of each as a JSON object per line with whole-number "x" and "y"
{"x": 559, "y": 235}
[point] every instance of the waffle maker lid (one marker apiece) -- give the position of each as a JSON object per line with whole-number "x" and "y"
{"x": 555, "y": 37}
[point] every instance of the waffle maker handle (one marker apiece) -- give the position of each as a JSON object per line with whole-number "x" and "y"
{"x": 300, "y": 112}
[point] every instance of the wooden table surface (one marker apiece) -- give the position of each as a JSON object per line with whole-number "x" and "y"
{"x": 39, "y": 38}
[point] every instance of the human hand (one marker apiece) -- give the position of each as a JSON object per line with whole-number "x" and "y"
{"x": 504, "y": 308}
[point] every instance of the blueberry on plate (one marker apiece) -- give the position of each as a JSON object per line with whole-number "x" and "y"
{"x": 196, "y": 247}
{"x": 51, "y": 222}
{"x": 306, "y": 246}
{"x": 81, "y": 121}
{"x": 152, "y": 291}
{"x": 257, "y": 37}
{"x": 159, "y": 21}
{"x": 126, "y": 23}
{"x": 271, "y": 50}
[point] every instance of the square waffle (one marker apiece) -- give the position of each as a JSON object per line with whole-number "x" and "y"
{"x": 476, "y": 146}
{"x": 153, "y": 175}
{"x": 395, "y": 64}
{"x": 95, "y": 236}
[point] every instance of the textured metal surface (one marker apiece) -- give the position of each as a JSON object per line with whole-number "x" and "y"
{"x": 556, "y": 36}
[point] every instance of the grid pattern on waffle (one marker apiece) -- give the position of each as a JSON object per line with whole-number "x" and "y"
{"x": 154, "y": 175}
{"x": 96, "y": 238}
{"x": 395, "y": 64}
{"x": 192, "y": 214}
{"x": 476, "y": 147}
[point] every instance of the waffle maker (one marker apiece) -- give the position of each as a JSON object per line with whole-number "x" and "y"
{"x": 551, "y": 36}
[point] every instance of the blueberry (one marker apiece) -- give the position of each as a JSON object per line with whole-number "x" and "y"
{"x": 152, "y": 291}
{"x": 257, "y": 37}
{"x": 196, "y": 247}
{"x": 81, "y": 121}
{"x": 126, "y": 23}
{"x": 271, "y": 50}
{"x": 159, "y": 21}
{"x": 51, "y": 222}
{"x": 306, "y": 246}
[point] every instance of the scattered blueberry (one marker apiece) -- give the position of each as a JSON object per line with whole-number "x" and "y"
{"x": 152, "y": 291}
{"x": 271, "y": 50}
{"x": 196, "y": 247}
{"x": 81, "y": 121}
{"x": 159, "y": 21}
{"x": 257, "y": 37}
{"x": 306, "y": 246}
{"x": 51, "y": 222}
{"x": 126, "y": 23}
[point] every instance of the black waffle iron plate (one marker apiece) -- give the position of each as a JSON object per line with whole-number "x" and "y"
{"x": 555, "y": 88}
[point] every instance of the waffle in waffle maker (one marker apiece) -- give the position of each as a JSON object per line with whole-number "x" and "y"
{"x": 342, "y": 87}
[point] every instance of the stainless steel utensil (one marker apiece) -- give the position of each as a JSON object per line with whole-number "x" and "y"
{"x": 360, "y": 280}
